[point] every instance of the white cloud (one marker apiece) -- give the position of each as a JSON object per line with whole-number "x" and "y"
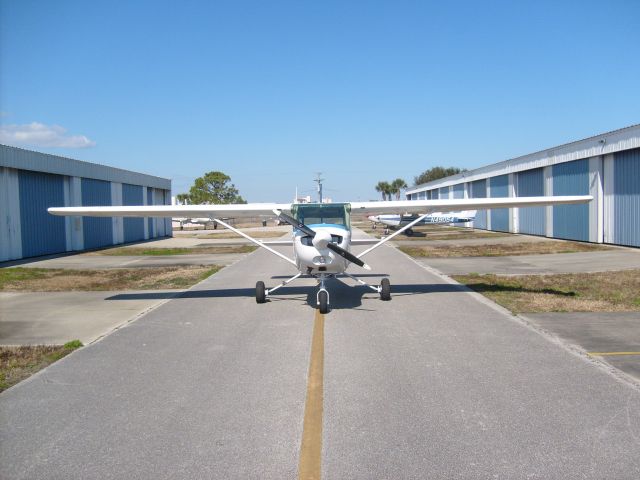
{"x": 40, "y": 135}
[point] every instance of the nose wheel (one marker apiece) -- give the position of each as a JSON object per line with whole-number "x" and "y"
{"x": 323, "y": 301}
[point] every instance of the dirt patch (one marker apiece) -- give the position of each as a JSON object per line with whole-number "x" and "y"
{"x": 66, "y": 280}
{"x": 213, "y": 249}
{"x": 496, "y": 250}
{"x": 18, "y": 363}
{"x": 257, "y": 235}
{"x": 584, "y": 292}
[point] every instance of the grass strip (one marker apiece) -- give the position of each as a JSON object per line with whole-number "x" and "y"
{"x": 582, "y": 292}
{"x": 18, "y": 363}
{"x": 498, "y": 250}
{"x": 64, "y": 280}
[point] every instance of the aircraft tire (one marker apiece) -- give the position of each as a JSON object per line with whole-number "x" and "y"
{"x": 323, "y": 301}
{"x": 261, "y": 296}
{"x": 385, "y": 289}
{"x": 408, "y": 232}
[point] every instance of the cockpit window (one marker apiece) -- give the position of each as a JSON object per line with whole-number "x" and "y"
{"x": 313, "y": 214}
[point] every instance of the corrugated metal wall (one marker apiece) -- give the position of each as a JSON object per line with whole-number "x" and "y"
{"x": 531, "y": 184}
{"x": 158, "y": 199}
{"x": 499, "y": 188}
{"x": 571, "y": 221}
{"x": 479, "y": 190}
{"x": 42, "y": 234}
{"x": 152, "y": 232}
{"x": 133, "y": 227}
{"x": 98, "y": 232}
{"x": 458, "y": 191}
{"x": 626, "y": 203}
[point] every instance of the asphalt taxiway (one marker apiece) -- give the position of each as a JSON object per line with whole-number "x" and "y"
{"x": 436, "y": 383}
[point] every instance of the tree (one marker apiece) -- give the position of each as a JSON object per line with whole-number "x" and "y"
{"x": 213, "y": 187}
{"x": 396, "y": 187}
{"x": 182, "y": 198}
{"x": 436, "y": 173}
{"x": 385, "y": 189}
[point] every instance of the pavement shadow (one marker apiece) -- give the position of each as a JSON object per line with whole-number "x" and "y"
{"x": 342, "y": 295}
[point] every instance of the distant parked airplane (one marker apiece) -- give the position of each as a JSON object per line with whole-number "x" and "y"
{"x": 321, "y": 237}
{"x": 204, "y": 221}
{"x": 396, "y": 220}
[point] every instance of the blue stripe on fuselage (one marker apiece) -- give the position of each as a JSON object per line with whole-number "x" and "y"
{"x": 334, "y": 225}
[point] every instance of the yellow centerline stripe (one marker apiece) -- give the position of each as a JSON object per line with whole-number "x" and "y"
{"x": 610, "y": 354}
{"x": 311, "y": 448}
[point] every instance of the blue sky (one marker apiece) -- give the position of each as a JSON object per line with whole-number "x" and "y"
{"x": 273, "y": 92}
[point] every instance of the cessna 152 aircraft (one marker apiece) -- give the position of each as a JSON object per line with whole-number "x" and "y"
{"x": 321, "y": 237}
{"x": 438, "y": 218}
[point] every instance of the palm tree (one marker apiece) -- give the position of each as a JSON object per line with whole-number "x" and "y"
{"x": 385, "y": 189}
{"x": 396, "y": 187}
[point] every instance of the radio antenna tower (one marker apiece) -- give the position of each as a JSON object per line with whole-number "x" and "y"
{"x": 319, "y": 180}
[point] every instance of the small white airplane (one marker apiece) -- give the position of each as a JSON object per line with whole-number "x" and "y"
{"x": 436, "y": 218}
{"x": 321, "y": 236}
{"x": 204, "y": 221}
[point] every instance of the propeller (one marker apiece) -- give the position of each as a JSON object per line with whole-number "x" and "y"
{"x": 323, "y": 239}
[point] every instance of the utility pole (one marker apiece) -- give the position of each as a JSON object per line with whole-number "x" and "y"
{"x": 319, "y": 180}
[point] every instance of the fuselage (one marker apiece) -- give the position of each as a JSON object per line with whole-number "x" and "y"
{"x": 331, "y": 223}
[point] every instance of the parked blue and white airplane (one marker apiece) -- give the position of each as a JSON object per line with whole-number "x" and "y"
{"x": 438, "y": 218}
{"x": 321, "y": 234}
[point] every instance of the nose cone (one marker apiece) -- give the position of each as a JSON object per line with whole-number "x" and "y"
{"x": 321, "y": 239}
{"x": 373, "y": 218}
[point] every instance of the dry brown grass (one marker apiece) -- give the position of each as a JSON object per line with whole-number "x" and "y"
{"x": 227, "y": 234}
{"x": 496, "y": 250}
{"x": 65, "y": 280}
{"x": 18, "y": 363}
{"x": 213, "y": 249}
{"x": 582, "y": 292}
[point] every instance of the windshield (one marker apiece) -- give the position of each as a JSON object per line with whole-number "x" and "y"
{"x": 315, "y": 213}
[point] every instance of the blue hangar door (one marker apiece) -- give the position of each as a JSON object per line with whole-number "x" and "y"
{"x": 499, "y": 188}
{"x": 479, "y": 190}
{"x": 98, "y": 231}
{"x": 42, "y": 233}
{"x": 571, "y": 221}
{"x": 531, "y": 219}
{"x": 132, "y": 195}
{"x": 626, "y": 198}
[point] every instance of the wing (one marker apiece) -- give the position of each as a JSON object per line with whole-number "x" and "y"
{"x": 188, "y": 211}
{"x": 451, "y": 205}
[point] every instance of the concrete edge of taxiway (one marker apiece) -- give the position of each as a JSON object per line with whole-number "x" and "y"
{"x": 573, "y": 349}
{"x": 120, "y": 326}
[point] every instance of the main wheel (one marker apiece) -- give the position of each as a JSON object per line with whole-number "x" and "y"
{"x": 261, "y": 296}
{"x": 323, "y": 301}
{"x": 385, "y": 289}
{"x": 408, "y": 232}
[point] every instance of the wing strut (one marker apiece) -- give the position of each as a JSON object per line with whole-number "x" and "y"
{"x": 253, "y": 240}
{"x": 386, "y": 239}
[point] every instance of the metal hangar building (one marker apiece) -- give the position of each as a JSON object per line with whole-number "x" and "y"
{"x": 31, "y": 182}
{"x": 606, "y": 166}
